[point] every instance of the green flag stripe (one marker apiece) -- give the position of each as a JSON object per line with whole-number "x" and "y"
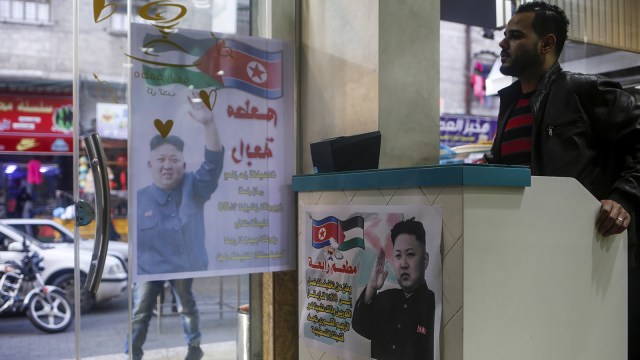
{"x": 171, "y": 75}
{"x": 352, "y": 243}
{"x": 193, "y": 47}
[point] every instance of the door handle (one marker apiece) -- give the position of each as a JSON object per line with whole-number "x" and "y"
{"x": 98, "y": 163}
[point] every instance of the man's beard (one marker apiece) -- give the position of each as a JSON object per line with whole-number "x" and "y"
{"x": 521, "y": 63}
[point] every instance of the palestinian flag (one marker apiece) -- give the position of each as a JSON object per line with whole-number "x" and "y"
{"x": 348, "y": 233}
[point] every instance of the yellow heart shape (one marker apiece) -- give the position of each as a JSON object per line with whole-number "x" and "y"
{"x": 206, "y": 98}
{"x": 164, "y": 128}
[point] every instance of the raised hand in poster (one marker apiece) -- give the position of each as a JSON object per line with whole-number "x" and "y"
{"x": 170, "y": 211}
{"x": 201, "y": 113}
{"x": 378, "y": 276}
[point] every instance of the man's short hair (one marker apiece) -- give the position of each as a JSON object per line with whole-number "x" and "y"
{"x": 409, "y": 227}
{"x": 171, "y": 140}
{"x": 549, "y": 19}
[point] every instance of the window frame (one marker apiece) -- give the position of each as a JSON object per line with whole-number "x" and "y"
{"x": 42, "y": 11}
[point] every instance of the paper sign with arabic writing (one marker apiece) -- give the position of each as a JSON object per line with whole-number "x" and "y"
{"x": 342, "y": 246}
{"x": 212, "y": 154}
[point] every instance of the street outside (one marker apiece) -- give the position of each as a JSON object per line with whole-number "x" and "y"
{"x": 103, "y": 330}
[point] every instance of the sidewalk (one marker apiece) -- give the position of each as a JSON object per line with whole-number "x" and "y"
{"x": 104, "y": 330}
{"x": 214, "y": 351}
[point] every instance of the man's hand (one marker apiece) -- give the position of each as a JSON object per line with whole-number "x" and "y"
{"x": 612, "y": 219}
{"x": 378, "y": 276}
{"x": 199, "y": 112}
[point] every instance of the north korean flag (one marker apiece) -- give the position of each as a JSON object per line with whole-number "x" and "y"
{"x": 347, "y": 234}
{"x": 238, "y": 65}
{"x": 323, "y": 231}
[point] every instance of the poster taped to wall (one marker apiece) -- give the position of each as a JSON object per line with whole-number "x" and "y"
{"x": 371, "y": 281}
{"x": 211, "y": 154}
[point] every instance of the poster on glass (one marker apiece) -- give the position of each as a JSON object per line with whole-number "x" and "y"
{"x": 211, "y": 153}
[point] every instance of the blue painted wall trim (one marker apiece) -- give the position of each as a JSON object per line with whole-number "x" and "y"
{"x": 436, "y": 175}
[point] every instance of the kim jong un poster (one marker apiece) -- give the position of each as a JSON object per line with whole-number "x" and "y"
{"x": 371, "y": 281}
{"x": 211, "y": 154}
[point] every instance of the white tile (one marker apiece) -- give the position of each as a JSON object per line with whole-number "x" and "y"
{"x": 431, "y": 193}
{"x": 452, "y": 283}
{"x": 452, "y": 339}
{"x": 409, "y": 196}
{"x": 308, "y": 198}
{"x": 448, "y": 240}
{"x": 333, "y": 198}
{"x": 451, "y": 201}
{"x": 388, "y": 193}
{"x": 368, "y": 197}
{"x": 350, "y": 194}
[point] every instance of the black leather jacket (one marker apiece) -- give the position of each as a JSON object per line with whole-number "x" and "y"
{"x": 585, "y": 127}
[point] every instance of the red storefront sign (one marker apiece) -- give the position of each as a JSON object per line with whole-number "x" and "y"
{"x": 36, "y": 124}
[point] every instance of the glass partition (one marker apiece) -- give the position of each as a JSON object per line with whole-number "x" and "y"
{"x": 604, "y": 39}
{"x": 65, "y": 74}
{"x": 145, "y": 73}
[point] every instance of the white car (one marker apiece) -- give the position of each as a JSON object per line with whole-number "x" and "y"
{"x": 59, "y": 263}
{"x": 52, "y": 232}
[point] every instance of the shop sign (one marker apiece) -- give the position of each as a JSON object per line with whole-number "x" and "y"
{"x": 36, "y": 124}
{"x": 456, "y": 130}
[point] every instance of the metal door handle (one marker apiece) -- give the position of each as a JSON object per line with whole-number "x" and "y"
{"x": 98, "y": 163}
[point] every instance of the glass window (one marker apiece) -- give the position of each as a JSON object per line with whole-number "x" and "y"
{"x": 45, "y": 233}
{"x": 33, "y": 11}
{"x": 119, "y": 22}
{"x": 469, "y": 63}
{"x": 5, "y": 7}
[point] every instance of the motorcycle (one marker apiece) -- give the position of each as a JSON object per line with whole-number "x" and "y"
{"x": 23, "y": 289}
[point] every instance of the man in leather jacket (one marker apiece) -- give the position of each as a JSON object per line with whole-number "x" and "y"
{"x": 568, "y": 124}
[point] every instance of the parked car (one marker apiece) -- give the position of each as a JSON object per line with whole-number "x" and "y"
{"x": 49, "y": 231}
{"x": 59, "y": 267}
